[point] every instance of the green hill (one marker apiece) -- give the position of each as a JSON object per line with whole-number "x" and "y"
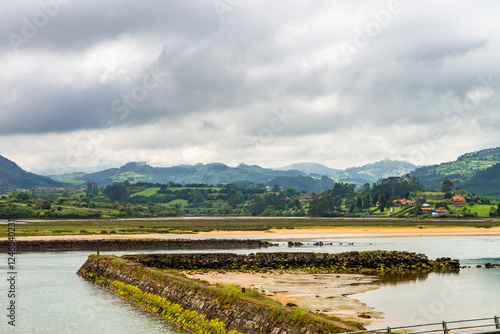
{"x": 214, "y": 173}
{"x": 485, "y": 182}
{"x": 12, "y": 176}
{"x": 459, "y": 171}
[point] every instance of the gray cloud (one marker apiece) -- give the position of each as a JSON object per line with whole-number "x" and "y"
{"x": 91, "y": 68}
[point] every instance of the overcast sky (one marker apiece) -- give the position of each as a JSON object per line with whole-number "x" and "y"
{"x": 91, "y": 84}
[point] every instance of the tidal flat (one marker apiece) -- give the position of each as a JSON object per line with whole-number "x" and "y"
{"x": 322, "y": 293}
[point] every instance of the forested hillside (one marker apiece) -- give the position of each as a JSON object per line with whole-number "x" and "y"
{"x": 459, "y": 171}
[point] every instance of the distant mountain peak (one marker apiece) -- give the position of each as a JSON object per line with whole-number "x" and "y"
{"x": 311, "y": 168}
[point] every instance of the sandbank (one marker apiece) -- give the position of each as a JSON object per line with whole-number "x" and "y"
{"x": 343, "y": 232}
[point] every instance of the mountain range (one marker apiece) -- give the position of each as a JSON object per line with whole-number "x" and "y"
{"x": 215, "y": 173}
{"x": 478, "y": 172}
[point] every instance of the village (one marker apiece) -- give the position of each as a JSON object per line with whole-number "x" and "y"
{"x": 427, "y": 208}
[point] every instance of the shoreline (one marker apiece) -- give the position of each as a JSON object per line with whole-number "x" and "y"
{"x": 341, "y": 232}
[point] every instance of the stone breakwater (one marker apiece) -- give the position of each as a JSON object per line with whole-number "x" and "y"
{"x": 375, "y": 260}
{"x": 103, "y": 244}
{"x": 201, "y": 307}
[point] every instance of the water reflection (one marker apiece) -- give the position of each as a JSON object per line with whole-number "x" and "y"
{"x": 396, "y": 277}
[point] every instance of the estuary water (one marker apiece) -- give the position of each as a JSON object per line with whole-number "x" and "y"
{"x": 51, "y": 298}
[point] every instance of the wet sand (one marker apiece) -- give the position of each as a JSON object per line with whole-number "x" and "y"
{"x": 321, "y": 293}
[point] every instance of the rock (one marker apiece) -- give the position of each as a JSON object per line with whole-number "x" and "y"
{"x": 367, "y": 260}
{"x": 295, "y": 244}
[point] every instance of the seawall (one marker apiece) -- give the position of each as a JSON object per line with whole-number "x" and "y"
{"x": 374, "y": 260}
{"x": 110, "y": 243}
{"x": 151, "y": 281}
{"x": 201, "y": 307}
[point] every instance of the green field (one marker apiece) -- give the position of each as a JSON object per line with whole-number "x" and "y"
{"x": 482, "y": 210}
{"x": 193, "y": 225}
{"x": 174, "y": 189}
{"x": 147, "y": 192}
{"x": 182, "y": 202}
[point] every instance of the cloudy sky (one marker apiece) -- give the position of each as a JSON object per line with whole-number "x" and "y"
{"x": 91, "y": 84}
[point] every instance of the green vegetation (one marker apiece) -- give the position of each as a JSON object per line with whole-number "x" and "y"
{"x": 174, "y": 312}
{"x": 148, "y": 192}
{"x": 460, "y": 171}
{"x": 391, "y": 197}
{"x": 217, "y": 173}
{"x": 23, "y": 204}
{"x": 12, "y": 177}
{"x": 404, "y": 196}
{"x": 485, "y": 182}
{"x": 214, "y": 173}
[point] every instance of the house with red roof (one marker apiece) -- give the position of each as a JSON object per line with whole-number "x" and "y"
{"x": 458, "y": 199}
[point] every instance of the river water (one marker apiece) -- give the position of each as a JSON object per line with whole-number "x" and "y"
{"x": 51, "y": 298}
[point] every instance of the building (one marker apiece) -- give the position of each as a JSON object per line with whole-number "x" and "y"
{"x": 439, "y": 212}
{"x": 403, "y": 202}
{"x": 458, "y": 199}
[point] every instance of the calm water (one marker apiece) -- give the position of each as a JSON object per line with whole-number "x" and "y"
{"x": 52, "y": 299}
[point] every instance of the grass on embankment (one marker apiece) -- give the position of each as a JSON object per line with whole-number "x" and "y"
{"x": 193, "y": 225}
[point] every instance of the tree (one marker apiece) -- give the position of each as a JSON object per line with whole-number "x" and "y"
{"x": 23, "y": 196}
{"x": 366, "y": 202}
{"x": 291, "y": 192}
{"x": 280, "y": 201}
{"x": 322, "y": 206}
{"x": 418, "y": 205}
{"x": 446, "y": 186}
{"x": 257, "y": 206}
{"x": 276, "y": 188}
{"x": 494, "y": 213}
{"x": 238, "y": 198}
{"x": 198, "y": 197}
{"x": 116, "y": 191}
{"x": 92, "y": 189}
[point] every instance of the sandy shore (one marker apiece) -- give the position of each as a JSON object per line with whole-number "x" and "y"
{"x": 294, "y": 233}
{"x": 322, "y": 293}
